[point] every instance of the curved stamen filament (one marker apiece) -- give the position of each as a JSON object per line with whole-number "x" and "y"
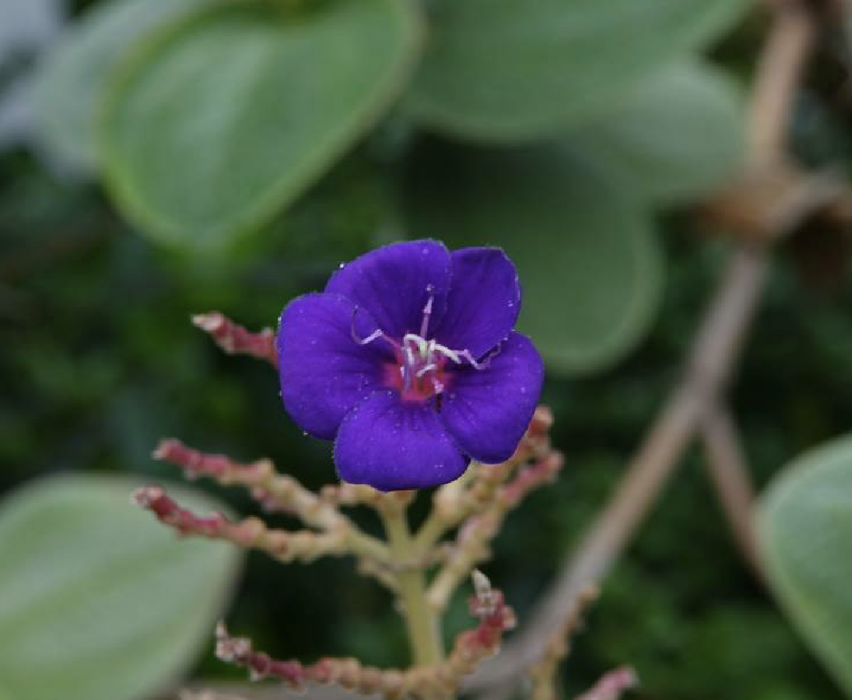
{"x": 476, "y": 365}
{"x": 425, "y": 370}
{"x": 446, "y": 352}
{"x": 369, "y": 339}
{"x": 375, "y": 335}
{"x": 427, "y": 311}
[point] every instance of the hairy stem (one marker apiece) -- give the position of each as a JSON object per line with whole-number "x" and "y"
{"x": 423, "y": 627}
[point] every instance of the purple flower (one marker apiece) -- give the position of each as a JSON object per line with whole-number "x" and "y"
{"x": 409, "y": 362}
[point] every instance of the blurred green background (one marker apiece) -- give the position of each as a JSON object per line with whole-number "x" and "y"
{"x": 98, "y": 361}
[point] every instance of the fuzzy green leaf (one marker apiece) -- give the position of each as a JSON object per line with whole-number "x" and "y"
{"x": 515, "y": 69}
{"x": 71, "y": 81}
{"x": 587, "y": 255}
{"x": 98, "y": 601}
{"x": 673, "y": 137}
{"x": 224, "y": 119}
{"x": 805, "y": 534}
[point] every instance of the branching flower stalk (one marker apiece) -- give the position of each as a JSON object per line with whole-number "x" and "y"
{"x": 428, "y": 681}
{"x": 476, "y": 505}
{"x": 423, "y": 567}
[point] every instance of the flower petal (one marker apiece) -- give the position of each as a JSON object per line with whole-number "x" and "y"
{"x": 487, "y": 411}
{"x": 323, "y": 371}
{"x": 391, "y": 444}
{"x": 393, "y": 284}
{"x": 483, "y": 303}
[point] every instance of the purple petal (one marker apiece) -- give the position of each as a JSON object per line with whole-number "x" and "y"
{"x": 483, "y": 303}
{"x": 393, "y": 284}
{"x": 391, "y": 445}
{"x": 323, "y": 371}
{"x": 487, "y": 411}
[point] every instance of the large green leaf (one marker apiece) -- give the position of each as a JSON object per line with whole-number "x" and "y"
{"x": 224, "y": 119}
{"x": 805, "y": 535}
{"x": 70, "y": 81}
{"x": 587, "y": 255}
{"x": 511, "y": 69}
{"x": 673, "y": 137}
{"x": 98, "y": 601}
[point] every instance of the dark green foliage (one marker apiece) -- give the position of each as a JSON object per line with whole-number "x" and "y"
{"x": 98, "y": 360}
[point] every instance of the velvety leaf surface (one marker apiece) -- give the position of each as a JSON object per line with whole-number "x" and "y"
{"x": 225, "y": 118}
{"x": 71, "y": 80}
{"x": 98, "y": 601}
{"x": 805, "y": 534}
{"x": 673, "y": 137}
{"x": 587, "y": 256}
{"x": 511, "y": 69}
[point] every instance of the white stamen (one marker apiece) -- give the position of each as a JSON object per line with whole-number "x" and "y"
{"x": 369, "y": 339}
{"x": 427, "y": 312}
{"x": 446, "y": 352}
{"x": 425, "y": 370}
{"x": 421, "y": 344}
{"x": 409, "y": 355}
{"x": 480, "y": 365}
{"x": 476, "y": 365}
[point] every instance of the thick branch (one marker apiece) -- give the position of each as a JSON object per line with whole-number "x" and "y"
{"x": 708, "y": 368}
{"x": 424, "y": 632}
{"x": 779, "y": 71}
{"x": 714, "y": 351}
{"x": 729, "y": 474}
{"x": 543, "y": 672}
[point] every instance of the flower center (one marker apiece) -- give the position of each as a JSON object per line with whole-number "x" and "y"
{"x": 419, "y": 371}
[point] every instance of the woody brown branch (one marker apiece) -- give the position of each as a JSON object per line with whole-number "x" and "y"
{"x": 727, "y": 469}
{"x": 544, "y": 671}
{"x": 707, "y": 371}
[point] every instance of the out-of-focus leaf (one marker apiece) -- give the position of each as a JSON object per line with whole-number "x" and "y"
{"x": 587, "y": 255}
{"x": 15, "y": 113}
{"x": 805, "y": 534}
{"x": 71, "y": 79}
{"x": 27, "y": 28}
{"x": 28, "y": 25}
{"x": 673, "y": 137}
{"x": 512, "y": 69}
{"x": 98, "y": 601}
{"x": 224, "y": 119}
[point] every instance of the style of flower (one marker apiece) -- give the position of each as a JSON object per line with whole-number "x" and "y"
{"x": 409, "y": 361}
